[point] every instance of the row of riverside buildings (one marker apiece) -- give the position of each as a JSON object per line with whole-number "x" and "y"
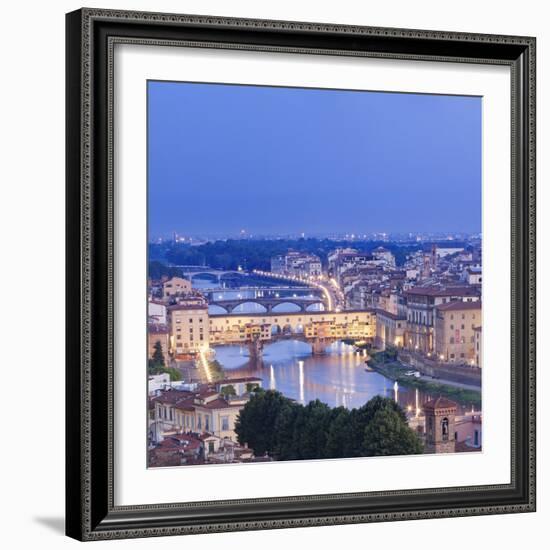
{"x": 430, "y": 307}
{"x": 437, "y": 313}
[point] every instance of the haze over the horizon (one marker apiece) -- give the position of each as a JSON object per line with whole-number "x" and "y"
{"x": 291, "y": 160}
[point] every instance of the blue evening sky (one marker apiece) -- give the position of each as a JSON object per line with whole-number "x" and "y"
{"x": 290, "y": 160}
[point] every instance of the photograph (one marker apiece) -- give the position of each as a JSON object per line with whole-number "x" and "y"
{"x": 314, "y": 274}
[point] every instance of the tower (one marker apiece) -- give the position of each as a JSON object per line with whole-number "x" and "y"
{"x": 434, "y": 256}
{"x": 440, "y": 425}
{"x": 426, "y": 268}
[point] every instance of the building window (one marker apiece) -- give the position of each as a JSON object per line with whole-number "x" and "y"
{"x": 452, "y": 340}
{"x": 445, "y": 429}
{"x": 225, "y": 423}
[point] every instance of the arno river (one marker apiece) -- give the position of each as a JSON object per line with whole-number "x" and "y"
{"x": 338, "y": 378}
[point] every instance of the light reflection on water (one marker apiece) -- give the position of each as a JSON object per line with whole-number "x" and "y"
{"x": 338, "y": 378}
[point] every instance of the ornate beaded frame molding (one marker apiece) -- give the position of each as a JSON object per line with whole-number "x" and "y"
{"x": 86, "y": 519}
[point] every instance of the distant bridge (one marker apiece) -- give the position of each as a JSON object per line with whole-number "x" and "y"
{"x": 261, "y": 290}
{"x": 268, "y": 303}
{"x": 192, "y": 271}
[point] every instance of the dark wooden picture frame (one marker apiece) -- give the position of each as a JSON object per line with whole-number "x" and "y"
{"x": 91, "y": 513}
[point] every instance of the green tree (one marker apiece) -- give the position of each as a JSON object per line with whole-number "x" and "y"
{"x": 256, "y": 422}
{"x": 313, "y": 437}
{"x": 377, "y": 403}
{"x": 286, "y": 445}
{"x": 156, "y": 362}
{"x": 228, "y": 391}
{"x": 340, "y": 435}
{"x": 158, "y": 356}
{"x": 175, "y": 374}
{"x": 361, "y": 417}
{"x": 388, "y": 434}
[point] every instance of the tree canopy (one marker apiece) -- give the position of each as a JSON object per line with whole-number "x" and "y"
{"x": 273, "y": 424}
{"x": 157, "y": 364}
{"x": 387, "y": 434}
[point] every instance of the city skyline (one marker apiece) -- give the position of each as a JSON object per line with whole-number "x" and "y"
{"x": 210, "y": 144}
{"x": 349, "y": 236}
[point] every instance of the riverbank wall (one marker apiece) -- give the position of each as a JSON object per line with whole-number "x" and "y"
{"x": 463, "y": 374}
{"x": 395, "y": 369}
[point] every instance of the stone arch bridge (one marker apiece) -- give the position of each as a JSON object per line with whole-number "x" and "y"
{"x": 268, "y": 303}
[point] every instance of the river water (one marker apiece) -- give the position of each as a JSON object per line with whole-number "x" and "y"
{"x": 338, "y": 378}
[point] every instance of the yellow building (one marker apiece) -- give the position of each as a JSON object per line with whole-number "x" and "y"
{"x": 204, "y": 411}
{"x": 209, "y": 413}
{"x": 237, "y": 331}
{"x": 344, "y": 324}
{"x": 456, "y": 326}
{"x": 422, "y": 303}
{"x": 175, "y": 286}
{"x": 390, "y": 329}
{"x": 478, "y": 349}
{"x": 189, "y": 328}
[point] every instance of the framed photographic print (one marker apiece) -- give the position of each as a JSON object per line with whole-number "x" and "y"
{"x": 300, "y": 274}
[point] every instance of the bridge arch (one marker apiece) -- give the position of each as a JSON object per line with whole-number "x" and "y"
{"x": 282, "y": 307}
{"x": 204, "y": 275}
{"x": 287, "y": 329}
{"x": 258, "y": 306}
{"x": 216, "y": 309}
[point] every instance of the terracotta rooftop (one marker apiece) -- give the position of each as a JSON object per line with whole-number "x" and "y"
{"x": 179, "y": 307}
{"x": 173, "y": 396}
{"x": 439, "y": 403}
{"x": 238, "y": 380}
{"x": 390, "y": 315}
{"x": 443, "y": 291}
{"x": 458, "y": 305}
